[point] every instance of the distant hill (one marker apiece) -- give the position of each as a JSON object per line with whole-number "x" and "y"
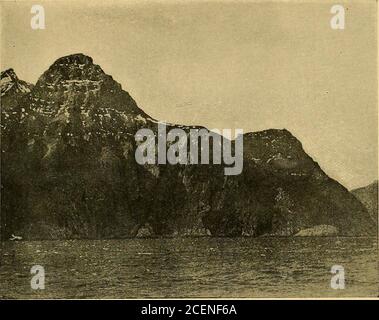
{"x": 368, "y": 195}
{"x": 69, "y": 171}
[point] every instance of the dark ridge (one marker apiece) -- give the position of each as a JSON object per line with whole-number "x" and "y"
{"x": 9, "y": 72}
{"x": 270, "y": 132}
{"x": 74, "y": 58}
{"x": 73, "y": 67}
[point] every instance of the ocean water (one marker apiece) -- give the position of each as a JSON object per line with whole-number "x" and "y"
{"x": 190, "y": 268}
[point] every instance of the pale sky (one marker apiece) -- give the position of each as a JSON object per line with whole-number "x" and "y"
{"x": 225, "y": 65}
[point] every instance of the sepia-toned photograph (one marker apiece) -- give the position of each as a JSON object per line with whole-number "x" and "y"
{"x": 166, "y": 149}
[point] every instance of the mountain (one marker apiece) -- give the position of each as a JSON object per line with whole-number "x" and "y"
{"x": 11, "y": 84}
{"x": 368, "y": 195}
{"x": 12, "y": 88}
{"x": 69, "y": 171}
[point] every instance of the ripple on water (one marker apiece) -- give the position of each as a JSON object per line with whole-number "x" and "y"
{"x": 200, "y": 267}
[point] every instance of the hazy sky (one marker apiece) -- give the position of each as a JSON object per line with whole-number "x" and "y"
{"x": 225, "y": 65}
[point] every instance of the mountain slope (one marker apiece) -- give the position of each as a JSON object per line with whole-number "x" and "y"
{"x": 11, "y": 85}
{"x": 368, "y": 195}
{"x": 69, "y": 171}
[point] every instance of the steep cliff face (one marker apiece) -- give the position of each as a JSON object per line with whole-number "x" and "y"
{"x": 368, "y": 195}
{"x": 69, "y": 171}
{"x": 13, "y": 189}
{"x": 12, "y": 111}
{"x": 72, "y": 151}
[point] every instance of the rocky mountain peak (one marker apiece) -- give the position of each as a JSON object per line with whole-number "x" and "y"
{"x": 75, "y": 58}
{"x": 9, "y": 82}
{"x": 9, "y": 73}
{"x": 77, "y": 100}
{"x": 74, "y": 80}
{"x": 75, "y": 69}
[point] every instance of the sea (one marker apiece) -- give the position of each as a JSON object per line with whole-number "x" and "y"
{"x": 205, "y": 267}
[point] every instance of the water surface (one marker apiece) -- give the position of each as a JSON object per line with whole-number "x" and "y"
{"x": 190, "y": 268}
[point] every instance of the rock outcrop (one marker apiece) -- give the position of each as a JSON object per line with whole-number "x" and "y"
{"x": 69, "y": 171}
{"x": 318, "y": 231}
